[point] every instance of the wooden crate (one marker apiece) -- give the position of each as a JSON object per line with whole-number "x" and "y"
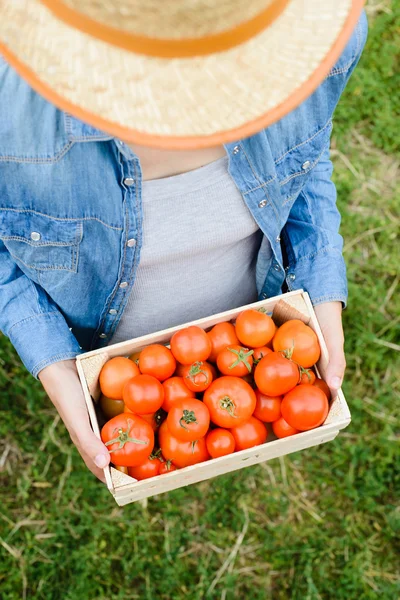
{"x": 125, "y": 489}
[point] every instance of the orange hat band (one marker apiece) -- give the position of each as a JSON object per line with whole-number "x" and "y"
{"x": 168, "y": 48}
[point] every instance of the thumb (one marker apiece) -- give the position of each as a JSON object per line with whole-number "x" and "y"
{"x": 336, "y": 367}
{"x": 330, "y": 319}
{"x": 90, "y": 446}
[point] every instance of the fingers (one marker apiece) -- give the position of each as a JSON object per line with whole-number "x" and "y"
{"x": 62, "y": 384}
{"x": 92, "y": 450}
{"x": 330, "y": 319}
{"x": 90, "y": 447}
{"x": 99, "y": 473}
{"x": 336, "y": 368}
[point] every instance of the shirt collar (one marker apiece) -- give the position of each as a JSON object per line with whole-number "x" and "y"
{"x": 78, "y": 131}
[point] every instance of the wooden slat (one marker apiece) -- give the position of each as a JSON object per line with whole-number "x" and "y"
{"x": 93, "y": 418}
{"x": 130, "y": 346}
{"x": 204, "y": 471}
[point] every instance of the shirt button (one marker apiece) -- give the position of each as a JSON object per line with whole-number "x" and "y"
{"x": 131, "y": 242}
{"x": 262, "y": 203}
{"x": 277, "y": 267}
{"x": 278, "y": 239}
{"x": 236, "y": 150}
{"x": 124, "y": 284}
{"x": 128, "y": 181}
{"x": 264, "y": 296}
{"x": 103, "y": 336}
{"x": 35, "y": 236}
{"x": 292, "y": 276}
{"x": 113, "y": 311}
{"x": 305, "y": 165}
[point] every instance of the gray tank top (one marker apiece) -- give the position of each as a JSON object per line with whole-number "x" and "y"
{"x": 198, "y": 258}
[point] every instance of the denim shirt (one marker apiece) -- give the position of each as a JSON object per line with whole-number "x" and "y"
{"x": 71, "y": 214}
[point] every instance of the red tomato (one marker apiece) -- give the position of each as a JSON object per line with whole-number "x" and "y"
{"x": 298, "y": 341}
{"x": 305, "y": 407}
{"x": 275, "y": 375}
{"x": 129, "y": 439}
{"x": 221, "y": 336}
{"x": 282, "y": 429}
{"x": 235, "y": 360}
{"x": 179, "y": 370}
{"x": 198, "y": 376}
{"x": 143, "y": 395}
{"x": 150, "y": 420}
{"x": 188, "y": 420}
{"x": 190, "y": 345}
{"x": 150, "y": 468}
{"x": 181, "y": 454}
{"x": 268, "y": 408}
{"x": 307, "y": 376}
{"x": 214, "y": 371}
{"x": 153, "y": 419}
{"x": 115, "y": 374}
{"x": 158, "y": 361}
{"x": 175, "y": 389}
{"x": 111, "y": 408}
{"x": 320, "y": 383}
{"x": 135, "y": 357}
{"x": 166, "y": 467}
{"x": 259, "y": 353}
{"x": 248, "y": 434}
{"x": 220, "y": 442}
{"x": 122, "y": 469}
{"x": 254, "y": 328}
{"x": 230, "y": 401}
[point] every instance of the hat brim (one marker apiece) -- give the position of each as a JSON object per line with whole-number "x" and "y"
{"x": 178, "y": 103}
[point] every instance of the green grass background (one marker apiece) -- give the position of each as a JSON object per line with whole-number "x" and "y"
{"x": 315, "y": 525}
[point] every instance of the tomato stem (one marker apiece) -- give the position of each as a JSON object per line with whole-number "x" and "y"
{"x": 242, "y": 356}
{"x": 227, "y": 404}
{"x": 123, "y": 438}
{"x": 304, "y": 371}
{"x": 257, "y": 360}
{"x": 188, "y": 417}
{"x": 196, "y": 369}
{"x": 288, "y": 353}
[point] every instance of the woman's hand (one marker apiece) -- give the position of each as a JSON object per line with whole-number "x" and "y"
{"x": 329, "y": 315}
{"x": 62, "y": 384}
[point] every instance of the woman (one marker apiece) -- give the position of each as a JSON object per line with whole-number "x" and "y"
{"x": 185, "y": 171}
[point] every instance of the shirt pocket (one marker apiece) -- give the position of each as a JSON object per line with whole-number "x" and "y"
{"x": 294, "y": 167}
{"x": 41, "y": 242}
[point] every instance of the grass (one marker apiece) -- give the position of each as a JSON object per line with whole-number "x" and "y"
{"x": 315, "y": 525}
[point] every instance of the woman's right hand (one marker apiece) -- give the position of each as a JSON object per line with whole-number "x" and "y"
{"x": 62, "y": 384}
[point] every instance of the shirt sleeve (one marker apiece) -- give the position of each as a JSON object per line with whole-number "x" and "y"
{"x": 34, "y": 324}
{"x": 312, "y": 241}
{"x": 311, "y": 235}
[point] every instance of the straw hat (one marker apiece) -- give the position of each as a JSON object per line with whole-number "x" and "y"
{"x": 176, "y": 73}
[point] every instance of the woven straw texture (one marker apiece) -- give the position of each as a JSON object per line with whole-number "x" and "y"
{"x": 171, "y": 19}
{"x": 188, "y": 97}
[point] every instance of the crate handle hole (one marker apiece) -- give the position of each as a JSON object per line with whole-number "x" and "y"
{"x": 247, "y": 458}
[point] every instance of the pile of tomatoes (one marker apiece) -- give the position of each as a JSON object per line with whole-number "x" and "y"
{"x": 211, "y": 393}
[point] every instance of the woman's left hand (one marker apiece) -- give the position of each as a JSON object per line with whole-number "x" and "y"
{"x": 329, "y": 315}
